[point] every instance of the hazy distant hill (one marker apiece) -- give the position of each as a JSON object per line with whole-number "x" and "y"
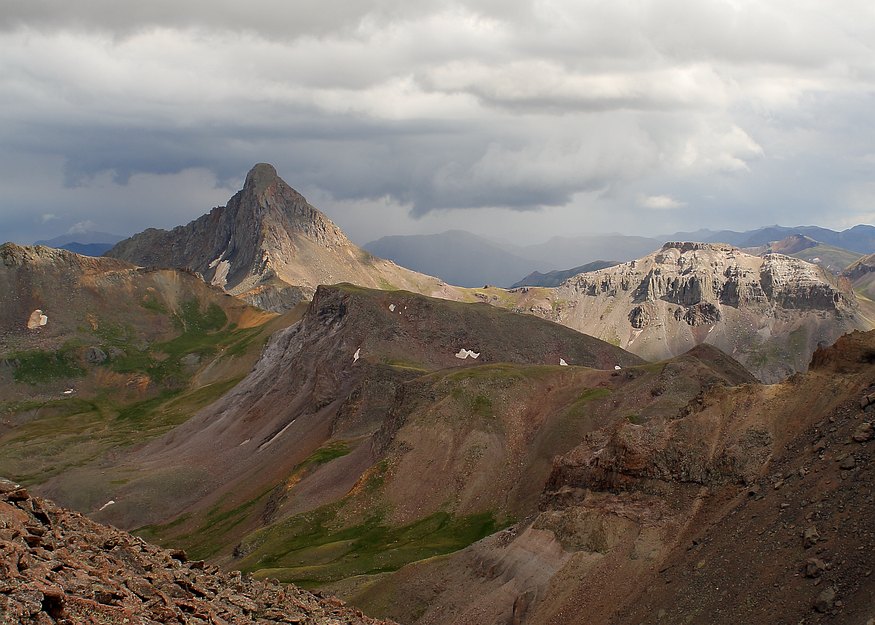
{"x": 577, "y": 250}
{"x": 455, "y": 256}
{"x": 833, "y": 259}
{"x": 860, "y": 238}
{"x": 87, "y": 237}
{"x": 555, "y": 278}
{"x": 467, "y": 259}
{"x": 88, "y": 249}
{"x": 87, "y": 243}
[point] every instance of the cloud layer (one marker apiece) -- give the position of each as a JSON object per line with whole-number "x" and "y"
{"x": 633, "y": 116}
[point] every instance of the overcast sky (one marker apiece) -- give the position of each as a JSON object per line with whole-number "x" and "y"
{"x": 519, "y": 119}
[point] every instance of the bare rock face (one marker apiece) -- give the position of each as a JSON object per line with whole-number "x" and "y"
{"x": 770, "y": 312}
{"x": 57, "y": 566}
{"x": 267, "y": 239}
{"x": 861, "y": 268}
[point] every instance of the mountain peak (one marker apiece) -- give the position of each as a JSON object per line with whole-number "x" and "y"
{"x": 260, "y": 177}
{"x": 268, "y": 245}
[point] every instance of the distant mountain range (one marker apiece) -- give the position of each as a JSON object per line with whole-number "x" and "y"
{"x": 555, "y": 278}
{"x": 769, "y": 312}
{"x": 86, "y": 243}
{"x": 466, "y": 259}
{"x": 860, "y": 238}
{"x": 833, "y": 259}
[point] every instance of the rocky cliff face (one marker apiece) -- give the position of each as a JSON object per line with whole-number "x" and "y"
{"x": 769, "y": 312}
{"x": 267, "y": 239}
{"x": 862, "y": 267}
{"x": 57, "y": 566}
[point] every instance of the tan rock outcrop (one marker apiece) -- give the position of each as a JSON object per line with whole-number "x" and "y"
{"x": 770, "y": 312}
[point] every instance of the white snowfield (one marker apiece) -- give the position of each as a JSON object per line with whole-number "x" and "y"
{"x": 463, "y": 353}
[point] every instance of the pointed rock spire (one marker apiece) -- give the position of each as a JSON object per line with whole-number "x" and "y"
{"x": 260, "y": 178}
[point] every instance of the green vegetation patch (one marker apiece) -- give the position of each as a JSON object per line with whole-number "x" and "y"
{"x": 309, "y": 549}
{"x": 579, "y": 407}
{"x": 210, "y": 536}
{"x": 38, "y": 366}
{"x": 57, "y": 435}
{"x": 202, "y": 333}
{"x": 140, "y": 412}
{"x": 494, "y": 372}
{"x": 171, "y": 408}
{"x": 481, "y": 406}
{"x": 152, "y": 303}
{"x": 326, "y": 453}
{"x": 213, "y": 534}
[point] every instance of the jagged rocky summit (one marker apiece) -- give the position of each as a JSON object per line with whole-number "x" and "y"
{"x": 269, "y": 246}
{"x": 57, "y": 566}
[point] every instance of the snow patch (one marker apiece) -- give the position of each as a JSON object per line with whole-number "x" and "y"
{"x": 107, "y": 505}
{"x": 562, "y": 362}
{"x": 69, "y": 391}
{"x": 356, "y": 355}
{"x": 636, "y": 334}
{"x": 244, "y": 442}
{"x": 463, "y": 353}
{"x": 391, "y": 307}
{"x": 617, "y": 367}
{"x": 276, "y": 436}
{"x": 220, "y": 277}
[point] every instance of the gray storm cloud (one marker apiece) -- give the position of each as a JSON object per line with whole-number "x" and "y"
{"x": 596, "y": 115}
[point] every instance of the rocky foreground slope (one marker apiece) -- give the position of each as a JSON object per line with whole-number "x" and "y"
{"x": 770, "y": 313}
{"x": 57, "y": 566}
{"x": 270, "y": 247}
